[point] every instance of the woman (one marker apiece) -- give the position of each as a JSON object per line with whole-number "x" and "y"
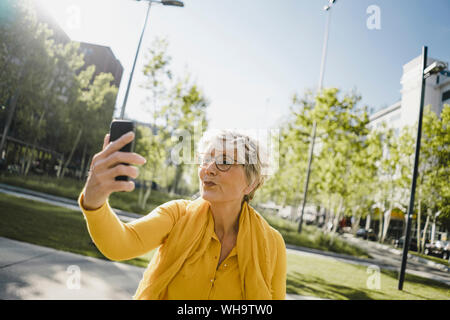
{"x": 214, "y": 247}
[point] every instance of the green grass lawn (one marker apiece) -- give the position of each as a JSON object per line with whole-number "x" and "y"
{"x": 65, "y": 229}
{"x": 50, "y": 226}
{"x": 65, "y": 187}
{"x": 326, "y": 278}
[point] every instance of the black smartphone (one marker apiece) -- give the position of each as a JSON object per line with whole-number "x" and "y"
{"x": 117, "y": 129}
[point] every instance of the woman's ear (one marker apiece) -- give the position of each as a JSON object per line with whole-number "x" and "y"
{"x": 251, "y": 187}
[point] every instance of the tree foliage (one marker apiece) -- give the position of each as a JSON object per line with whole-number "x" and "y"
{"x": 357, "y": 170}
{"x": 52, "y": 102}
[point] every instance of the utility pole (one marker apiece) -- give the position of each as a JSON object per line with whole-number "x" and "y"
{"x": 313, "y": 134}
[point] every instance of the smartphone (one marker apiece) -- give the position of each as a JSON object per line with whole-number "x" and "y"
{"x": 117, "y": 129}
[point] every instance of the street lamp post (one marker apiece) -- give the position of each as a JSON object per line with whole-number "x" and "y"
{"x": 313, "y": 134}
{"x": 166, "y": 3}
{"x": 425, "y": 71}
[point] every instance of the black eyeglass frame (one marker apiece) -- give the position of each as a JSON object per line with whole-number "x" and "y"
{"x": 216, "y": 158}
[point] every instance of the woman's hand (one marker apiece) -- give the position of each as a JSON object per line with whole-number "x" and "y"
{"x": 105, "y": 166}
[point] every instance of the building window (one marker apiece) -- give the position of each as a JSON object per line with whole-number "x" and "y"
{"x": 446, "y": 97}
{"x": 445, "y": 100}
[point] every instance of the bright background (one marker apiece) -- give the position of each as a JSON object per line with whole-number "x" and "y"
{"x": 250, "y": 57}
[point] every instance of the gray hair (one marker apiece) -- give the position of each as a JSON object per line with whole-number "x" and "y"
{"x": 249, "y": 153}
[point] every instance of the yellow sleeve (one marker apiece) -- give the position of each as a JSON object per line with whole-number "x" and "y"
{"x": 118, "y": 241}
{"x": 279, "y": 276}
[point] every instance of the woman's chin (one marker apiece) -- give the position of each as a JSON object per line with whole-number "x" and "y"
{"x": 207, "y": 196}
{"x": 211, "y": 196}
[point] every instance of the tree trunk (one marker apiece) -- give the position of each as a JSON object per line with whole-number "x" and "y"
{"x": 355, "y": 220}
{"x": 368, "y": 220}
{"x": 87, "y": 167}
{"x": 433, "y": 229}
{"x": 329, "y": 223}
{"x": 22, "y": 160}
{"x": 12, "y": 107}
{"x": 419, "y": 222}
{"x": 318, "y": 214}
{"x": 381, "y": 224}
{"x": 327, "y": 215}
{"x": 176, "y": 180}
{"x": 148, "y": 192}
{"x": 422, "y": 247}
{"x": 141, "y": 192}
{"x": 77, "y": 140}
{"x": 35, "y": 141}
{"x": 29, "y": 158}
{"x": 387, "y": 221}
{"x": 60, "y": 162}
{"x": 338, "y": 215}
{"x": 336, "y": 219}
{"x": 325, "y": 219}
{"x": 83, "y": 162}
{"x": 355, "y": 225}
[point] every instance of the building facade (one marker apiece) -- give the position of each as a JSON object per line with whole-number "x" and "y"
{"x": 405, "y": 112}
{"x": 104, "y": 60}
{"x": 102, "y": 57}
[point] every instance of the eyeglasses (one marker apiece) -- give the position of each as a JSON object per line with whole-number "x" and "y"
{"x": 223, "y": 162}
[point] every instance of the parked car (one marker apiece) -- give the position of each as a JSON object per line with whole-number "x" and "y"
{"x": 412, "y": 243}
{"x": 366, "y": 234}
{"x": 438, "y": 248}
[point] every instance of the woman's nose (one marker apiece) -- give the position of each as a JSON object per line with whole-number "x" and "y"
{"x": 211, "y": 168}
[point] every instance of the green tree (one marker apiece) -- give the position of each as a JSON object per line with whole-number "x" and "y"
{"x": 433, "y": 170}
{"x": 57, "y": 107}
{"x": 387, "y": 175}
{"x": 185, "y": 119}
{"x": 26, "y": 71}
{"x": 92, "y": 113}
{"x": 364, "y": 179}
{"x": 293, "y": 153}
{"x": 336, "y": 170}
{"x": 151, "y": 147}
{"x": 344, "y": 128}
{"x": 178, "y": 109}
{"x": 442, "y": 149}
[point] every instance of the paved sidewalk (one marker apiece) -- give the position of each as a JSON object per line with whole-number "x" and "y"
{"x": 28, "y": 271}
{"x": 394, "y": 252}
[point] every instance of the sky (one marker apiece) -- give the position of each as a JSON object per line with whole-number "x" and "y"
{"x": 250, "y": 57}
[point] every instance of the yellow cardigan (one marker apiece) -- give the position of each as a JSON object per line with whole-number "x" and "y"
{"x": 184, "y": 230}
